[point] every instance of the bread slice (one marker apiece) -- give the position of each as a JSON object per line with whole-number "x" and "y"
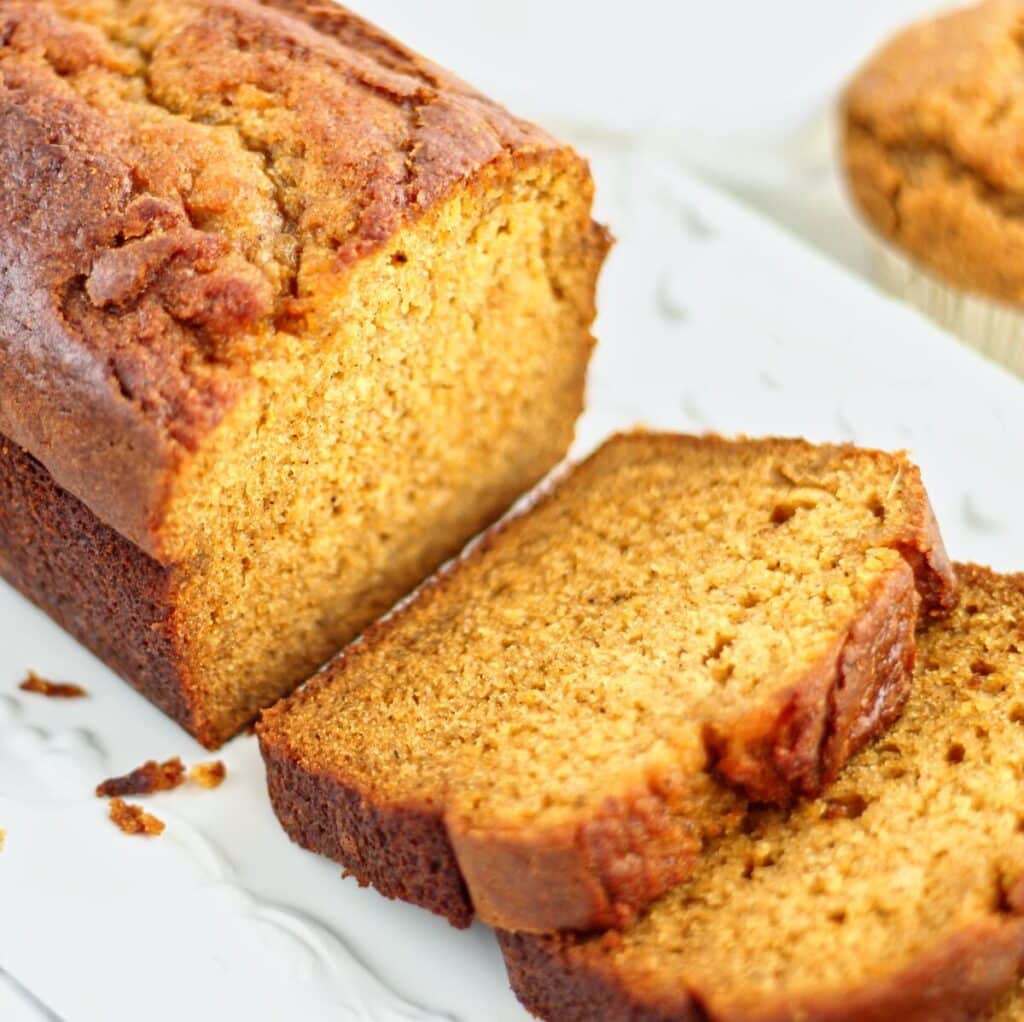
{"x": 900, "y": 895}
{"x": 287, "y": 315}
{"x": 539, "y": 735}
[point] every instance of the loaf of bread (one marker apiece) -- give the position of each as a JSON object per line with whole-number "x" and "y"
{"x": 898, "y": 896}
{"x": 538, "y": 736}
{"x": 287, "y": 314}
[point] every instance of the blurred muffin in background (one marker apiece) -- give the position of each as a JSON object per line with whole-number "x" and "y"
{"x": 933, "y": 148}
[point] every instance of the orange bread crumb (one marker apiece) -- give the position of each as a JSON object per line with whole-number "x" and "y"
{"x": 209, "y": 775}
{"x": 134, "y": 819}
{"x": 146, "y": 779}
{"x": 899, "y": 898}
{"x": 52, "y": 689}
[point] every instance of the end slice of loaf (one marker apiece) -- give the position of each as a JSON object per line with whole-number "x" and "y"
{"x": 539, "y": 735}
{"x": 898, "y": 896}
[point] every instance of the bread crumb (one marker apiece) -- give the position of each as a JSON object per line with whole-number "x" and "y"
{"x": 52, "y": 689}
{"x": 209, "y": 775}
{"x": 134, "y": 819}
{"x": 146, "y": 779}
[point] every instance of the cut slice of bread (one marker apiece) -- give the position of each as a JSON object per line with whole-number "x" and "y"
{"x": 899, "y": 896}
{"x": 539, "y": 735}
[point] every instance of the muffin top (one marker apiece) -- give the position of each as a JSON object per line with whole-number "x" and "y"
{"x": 934, "y": 146}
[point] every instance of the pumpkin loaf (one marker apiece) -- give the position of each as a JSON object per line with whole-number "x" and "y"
{"x": 548, "y": 733}
{"x": 900, "y": 895}
{"x": 287, "y": 314}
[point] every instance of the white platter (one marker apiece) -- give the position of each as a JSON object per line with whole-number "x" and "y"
{"x": 711, "y": 320}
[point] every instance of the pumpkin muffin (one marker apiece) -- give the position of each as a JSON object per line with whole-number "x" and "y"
{"x": 933, "y": 150}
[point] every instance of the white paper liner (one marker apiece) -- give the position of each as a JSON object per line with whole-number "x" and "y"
{"x": 994, "y": 329}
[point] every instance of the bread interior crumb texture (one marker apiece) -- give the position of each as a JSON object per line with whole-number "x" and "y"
{"x": 671, "y": 584}
{"x": 922, "y": 837}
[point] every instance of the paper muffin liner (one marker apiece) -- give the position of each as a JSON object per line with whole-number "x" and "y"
{"x": 994, "y": 329}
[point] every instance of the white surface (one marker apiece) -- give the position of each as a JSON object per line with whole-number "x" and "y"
{"x": 711, "y": 320}
{"x": 18, "y": 1005}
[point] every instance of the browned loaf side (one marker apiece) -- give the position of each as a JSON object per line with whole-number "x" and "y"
{"x": 900, "y": 895}
{"x": 541, "y": 737}
{"x": 102, "y": 589}
{"x": 932, "y": 127}
{"x": 287, "y": 314}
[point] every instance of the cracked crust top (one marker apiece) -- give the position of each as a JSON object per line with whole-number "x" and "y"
{"x": 181, "y": 178}
{"x": 934, "y": 146}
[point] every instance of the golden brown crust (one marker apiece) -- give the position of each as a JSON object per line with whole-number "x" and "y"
{"x": 134, "y": 390}
{"x": 113, "y": 293}
{"x": 855, "y": 692}
{"x": 962, "y": 975}
{"x": 932, "y": 146}
{"x": 934, "y": 574}
{"x": 600, "y": 873}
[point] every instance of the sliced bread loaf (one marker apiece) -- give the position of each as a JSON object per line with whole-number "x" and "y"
{"x": 287, "y": 314}
{"x": 539, "y": 734}
{"x": 898, "y": 896}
